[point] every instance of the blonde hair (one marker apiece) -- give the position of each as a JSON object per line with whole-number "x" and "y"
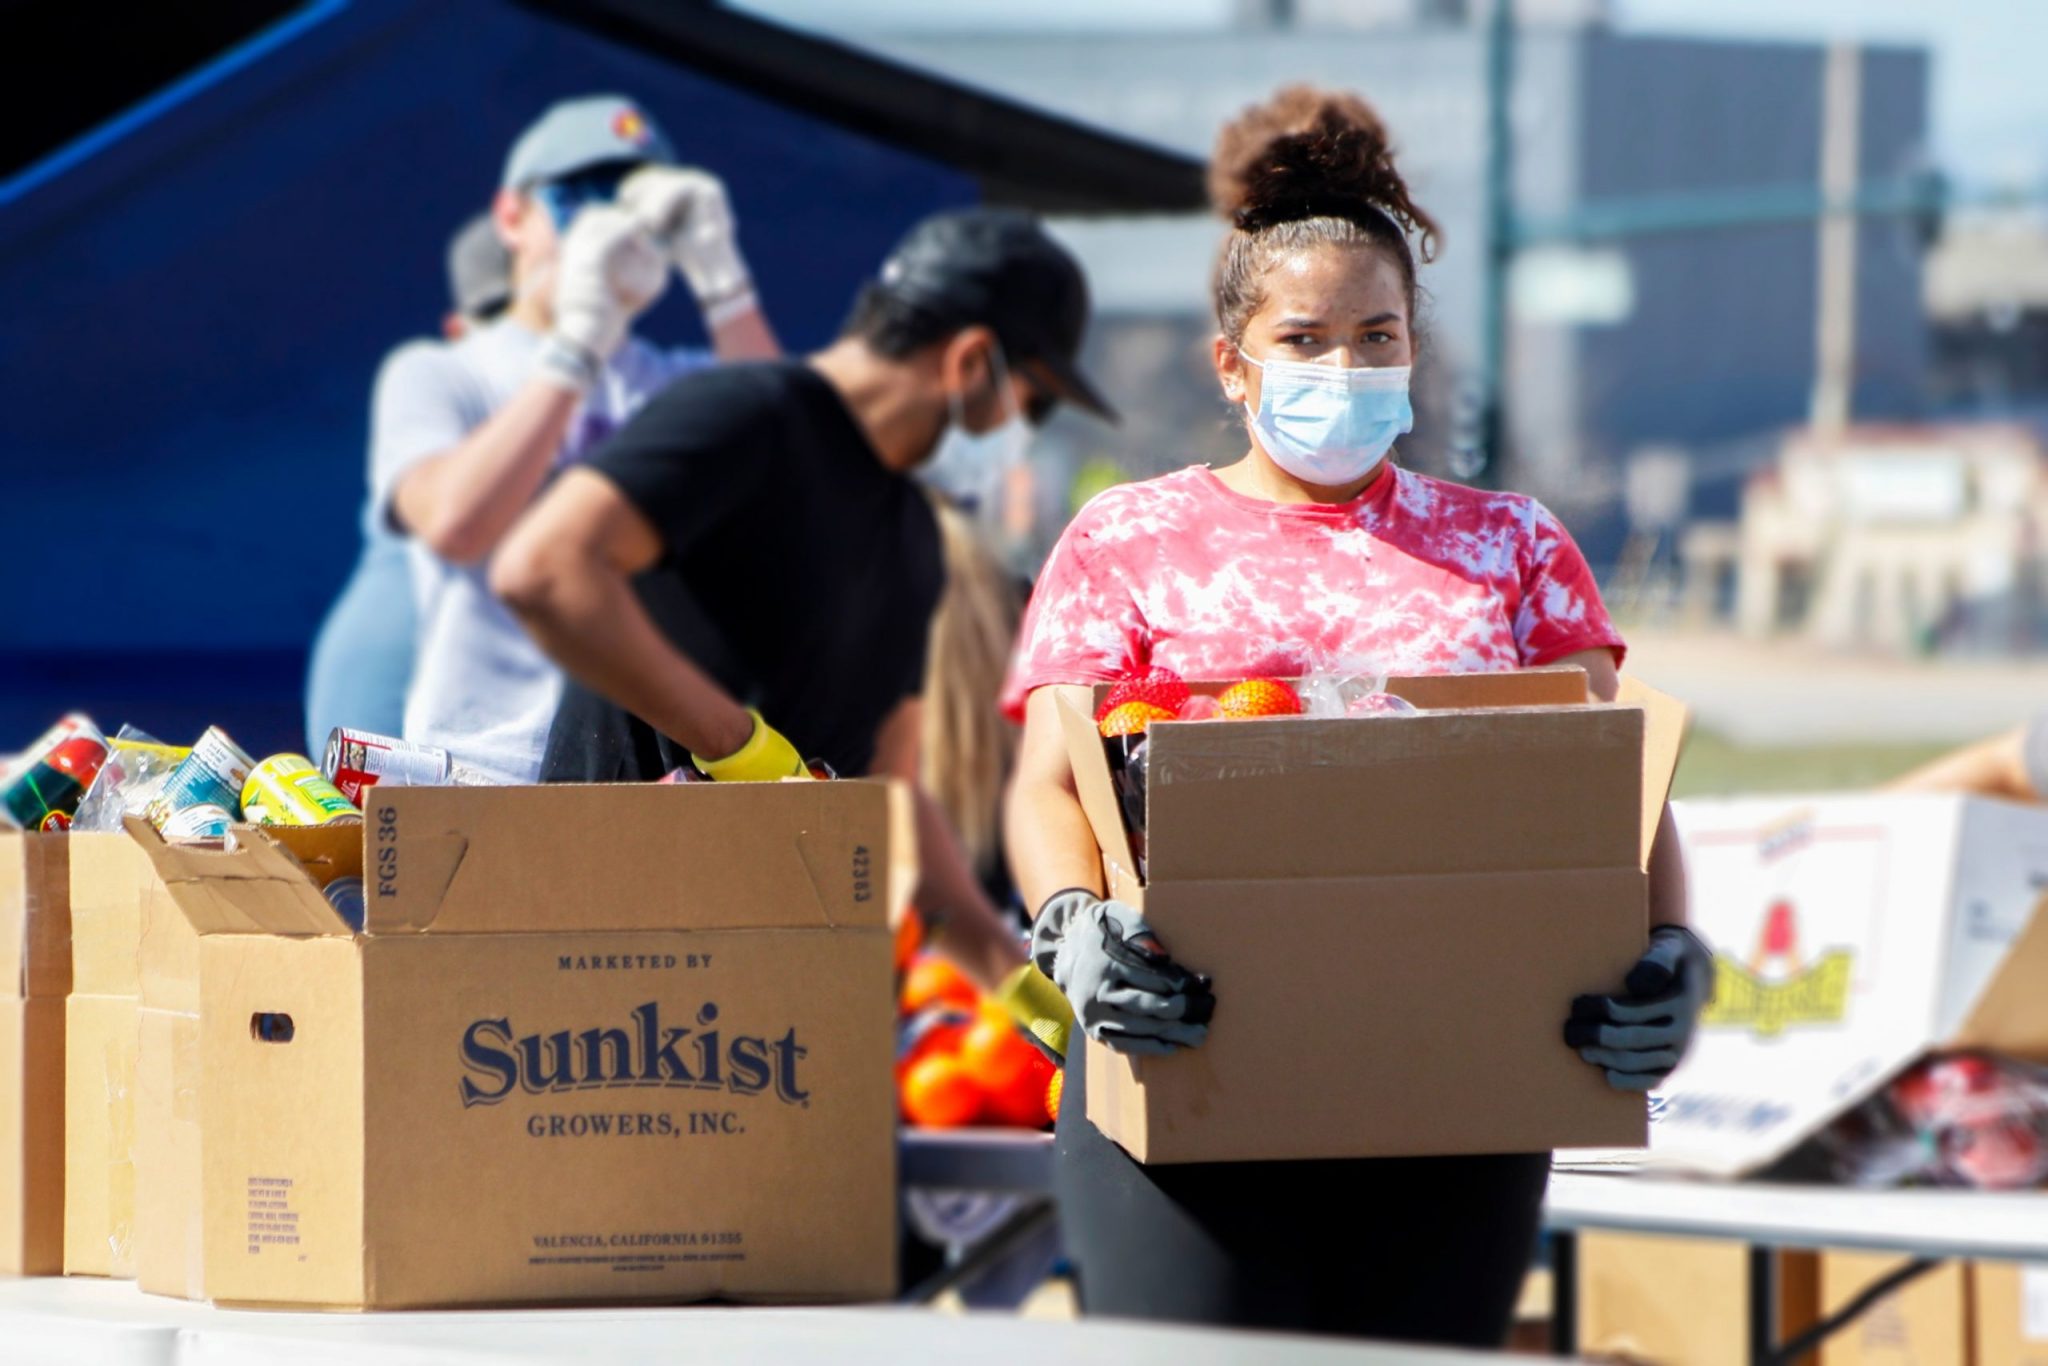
{"x": 967, "y": 745}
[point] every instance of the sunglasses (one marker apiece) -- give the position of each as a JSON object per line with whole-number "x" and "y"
{"x": 563, "y": 198}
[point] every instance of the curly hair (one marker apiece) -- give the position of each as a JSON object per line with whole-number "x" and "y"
{"x": 1308, "y": 168}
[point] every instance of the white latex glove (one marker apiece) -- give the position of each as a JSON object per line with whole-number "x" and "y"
{"x": 608, "y": 273}
{"x": 687, "y": 211}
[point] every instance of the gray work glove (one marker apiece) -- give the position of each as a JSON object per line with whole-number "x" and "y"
{"x": 1640, "y": 1037}
{"x": 1125, "y": 991}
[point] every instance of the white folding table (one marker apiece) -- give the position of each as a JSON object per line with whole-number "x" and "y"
{"x": 1927, "y": 1226}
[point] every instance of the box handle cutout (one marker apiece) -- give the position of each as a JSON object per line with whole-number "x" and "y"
{"x": 271, "y": 1027}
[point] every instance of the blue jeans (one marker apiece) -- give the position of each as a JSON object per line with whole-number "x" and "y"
{"x": 362, "y": 658}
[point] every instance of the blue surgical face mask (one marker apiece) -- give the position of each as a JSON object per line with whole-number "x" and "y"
{"x": 1329, "y": 426}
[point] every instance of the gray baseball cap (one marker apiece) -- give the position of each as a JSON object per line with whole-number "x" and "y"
{"x": 576, "y": 134}
{"x": 479, "y": 269}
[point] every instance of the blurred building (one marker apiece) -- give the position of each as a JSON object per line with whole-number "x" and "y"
{"x": 1692, "y": 338}
{"x": 1898, "y": 539}
{"x": 1987, "y": 299}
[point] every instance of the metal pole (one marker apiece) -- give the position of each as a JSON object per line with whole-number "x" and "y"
{"x": 1500, "y": 213}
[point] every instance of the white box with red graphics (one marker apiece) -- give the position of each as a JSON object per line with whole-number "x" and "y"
{"x": 1853, "y": 934}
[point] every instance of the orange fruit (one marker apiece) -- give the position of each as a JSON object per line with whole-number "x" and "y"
{"x": 1022, "y": 1103}
{"x": 1131, "y": 718}
{"x": 994, "y": 1056}
{"x": 933, "y": 982}
{"x": 1258, "y": 697}
{"x": 1054, "y": 1089}
{"x": 934, "y": 1031}
{"x": 938, "y": 1093}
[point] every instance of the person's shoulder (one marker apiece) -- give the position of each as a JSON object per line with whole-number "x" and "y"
{"x": 418, "y": 356}
{"x": 1166, "y": 499}
{"x": 1427, "y": 496}
{"x": 720, "y": 400}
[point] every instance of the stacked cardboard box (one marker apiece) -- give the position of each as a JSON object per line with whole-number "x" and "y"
{"x": 1358, "y": 884}
{"x": 109, "y": 878}
{"x": 35, "y": 975}
{"x": 595, "y": 1043}
{"x": 169, "y": 1251}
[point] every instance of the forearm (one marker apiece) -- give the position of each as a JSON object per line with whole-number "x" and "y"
{"x": 587, "y": 618}
{"x": 1050, "y": 843}
{"x": 965, "y": 925}
{"x": 744, "y": 336}
{"x": 463, "y": 501}
{"x": 1992, "y": 768}
{"x": 1667, "y": 874}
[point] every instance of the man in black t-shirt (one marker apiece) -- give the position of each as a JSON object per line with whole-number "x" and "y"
{"x": 750, "y": 545}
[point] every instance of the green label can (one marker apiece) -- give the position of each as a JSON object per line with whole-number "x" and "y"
{"x": 286, "y": 789}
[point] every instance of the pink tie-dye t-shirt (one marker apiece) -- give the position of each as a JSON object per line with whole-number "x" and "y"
{"x": 1415, "y": 575}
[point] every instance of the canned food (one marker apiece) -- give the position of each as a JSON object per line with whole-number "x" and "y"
{"x": 43, "y": 790}
{"x": 286, "y": 789}
{"x": 345, "y": 894}
{"x": 199, "y": 821}
{"x": 213, "y": 774}
{"x": 358, "y": 760}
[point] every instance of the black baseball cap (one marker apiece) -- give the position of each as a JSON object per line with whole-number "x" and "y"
{"x": 999, "y": 268}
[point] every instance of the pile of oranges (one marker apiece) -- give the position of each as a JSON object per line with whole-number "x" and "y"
{"x": 962, "y": 1062}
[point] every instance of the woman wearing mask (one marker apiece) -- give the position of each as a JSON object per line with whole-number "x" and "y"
{"x": 1313, "y": 546}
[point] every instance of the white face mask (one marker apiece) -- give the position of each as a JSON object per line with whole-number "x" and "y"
{"x": 1329, "y": 426}
{"x": 968, "y": 468}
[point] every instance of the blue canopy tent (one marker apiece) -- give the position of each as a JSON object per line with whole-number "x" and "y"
{"x": 198, "y": 294}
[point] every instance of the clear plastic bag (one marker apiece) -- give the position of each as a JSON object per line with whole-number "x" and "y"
{"x": 137, "y": 764}
{"x": 1961, "y": 1119}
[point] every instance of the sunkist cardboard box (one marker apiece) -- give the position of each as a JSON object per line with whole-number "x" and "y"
{"x": 35, "y": 975}
{"x": 595, "y": 1044}
{"x": 1398, "y": 912}
{"x": 1853, "y": 935}
{"x": 110, "y": 877}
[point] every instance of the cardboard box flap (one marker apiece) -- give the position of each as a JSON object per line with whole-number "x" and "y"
{"x": 1092, "y": 784}
{"x": 1666, "y": 724}
{"x": 730, "y": 856}
{"x": 2011, "y": 1014}
{"x": 1552, "y": 787}
{"x": 1558, "y": 685}
{"x": 249, "y": 884}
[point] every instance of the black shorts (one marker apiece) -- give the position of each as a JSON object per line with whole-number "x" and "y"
{"x": 1421, "y": 1249}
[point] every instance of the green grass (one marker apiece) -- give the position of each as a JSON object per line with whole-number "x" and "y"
{"x": 1715, "y": 767}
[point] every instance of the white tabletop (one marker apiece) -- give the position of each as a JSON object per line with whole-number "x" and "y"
{"x": 2009, "y": 1226}
{"x": 87, "y": 1322}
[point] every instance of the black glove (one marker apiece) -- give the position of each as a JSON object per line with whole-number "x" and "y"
{"x": 1639, "y": 1038}
{"x": 1124, "y": 989}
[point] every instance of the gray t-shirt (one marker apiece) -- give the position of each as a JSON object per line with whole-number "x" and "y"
{"x": 480, "y": 688}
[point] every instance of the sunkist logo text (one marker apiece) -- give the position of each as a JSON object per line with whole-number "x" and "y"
{"x": 497, "y": 1061}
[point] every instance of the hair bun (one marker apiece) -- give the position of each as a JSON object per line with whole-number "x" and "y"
{"x": 1309, "y": 153}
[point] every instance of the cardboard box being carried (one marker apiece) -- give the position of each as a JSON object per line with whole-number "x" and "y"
{"x": 1854, "y": 934}
{"x": 595, "y": 1043}
{"x": 1397, "y": 911}
{"x": 35, "y": 975}
{"x": 110, "y": 877}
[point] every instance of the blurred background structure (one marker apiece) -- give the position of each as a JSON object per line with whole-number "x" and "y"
{"x": 1754, "y": 294}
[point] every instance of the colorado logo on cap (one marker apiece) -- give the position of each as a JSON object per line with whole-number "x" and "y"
{"x": 629, "y": 126}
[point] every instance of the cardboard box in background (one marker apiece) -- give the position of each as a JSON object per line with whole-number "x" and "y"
{"x": 601, "y": 1043}
{"x": 2011, "y": 1313}
{"x": 1682, "y": 1301}
{"x": 110, "y": 876}
{"x": 1926, "y": 1322}
{"x": 35, "y": 975}
{"x": 1357, "y": 886}
{"x": 1854, "y": 934}
{"x": 169, "y": 1224}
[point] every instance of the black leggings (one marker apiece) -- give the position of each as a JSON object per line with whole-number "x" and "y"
{"x": 1417, "y": 1249}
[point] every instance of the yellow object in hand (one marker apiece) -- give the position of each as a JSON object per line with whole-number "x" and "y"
{"x": 766, "y": 757}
